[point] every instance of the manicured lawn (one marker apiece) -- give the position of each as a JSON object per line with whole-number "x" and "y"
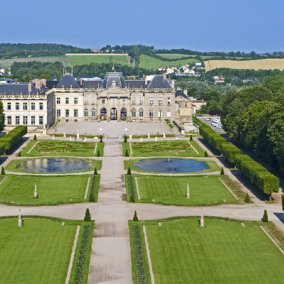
{"x": 52, "y": 190}
{"x": 212, "y": 166}
{"x": 62, "y": 148}
{"x": 204, "y": 190}
{"x": 40, "y": 251}
{"x": 14, "y": 166}
{"x": 165, "y": 148}
{"x": 224, "y": 251}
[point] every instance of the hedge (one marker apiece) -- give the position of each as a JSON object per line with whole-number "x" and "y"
{"x": 12, "y": 139}
{"x": 255, "y": 173}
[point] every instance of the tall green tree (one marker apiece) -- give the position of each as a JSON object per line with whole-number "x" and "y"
{"x": 2, "y": 116}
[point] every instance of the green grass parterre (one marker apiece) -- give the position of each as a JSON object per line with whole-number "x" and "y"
{"x": 40, "y": 251}
{"x": 204, "y": 190}
{"x": 16, "y": 189}
{"x": 224, "y": 251}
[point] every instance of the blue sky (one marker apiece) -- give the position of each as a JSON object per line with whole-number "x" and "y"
{"x": 207, "y": 25}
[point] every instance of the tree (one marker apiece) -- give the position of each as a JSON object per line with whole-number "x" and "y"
{"x": 282, "y": 197}
{"x": 101, "y": 137}
{"x": 190, "y": 138}
{"x": 126, "y": 154}
{"x": 2, "y": 171}
{"x": 222, "y": 171}
{"x": 265, "y": 216}
{"x": 2, "y": 117}
{"x": 95, "y": 171}
{"x": 135, "y": 217}
{"x": 205, "y": 154}
{"x": 247, "y": 198}
{"x": 87, "y": 215}
{"x": 35, "y": 138}
{"x": 98, "y": 153}
{"x": 129, "y": 171}
{"x": 125, "y": 139}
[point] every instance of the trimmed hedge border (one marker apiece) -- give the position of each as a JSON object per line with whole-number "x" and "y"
{"x": 12, "y": 139}
{"x": 255, "y": 173}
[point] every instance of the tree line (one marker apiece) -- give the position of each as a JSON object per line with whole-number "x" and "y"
{"x": 9, "y": 50}
{"x": 254, "y": 119}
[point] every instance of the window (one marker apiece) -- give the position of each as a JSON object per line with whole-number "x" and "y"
{"x": 141, "y": 112}
{"x": 123, "y": 102}
{"x": 17, "y": 120}
{"x": 169, "y": 101}
{"x": 58, "y": 112}
{"x": 25, "y": 106}
{"x": 86, "y": 112}
{"x": 133, "y": 112}
{"x": 151, "y": 101}
{"x": 32, "y": 106}
{"x": 93, "y": 101}
{"x": 58, "y": 101}
{"x": 40, "y": 120}
{"x": 160, "y": 103}
{"x": 33, "y": 120}
{"x": 75, "y": 101}
{"x": 85, "y": 101}
{"x": 67, "y": 113}
{"x": 133, "y": 101}
{"x": 103, "y": 101}
{"x": 93, "y": 112}
{"x": 17, "y": 106}
{"x": 151, "y": 113}
{"x": 141, "y": 101}
{"x": 160, "y": 114}
{"x": 9, "y": 106}
{"x": 9, "y": 120}
{"x": 25, "y": 120}
{"x": 169, "y": 113}
{"x": 75, "y": 113}
{"x": 66, "y": 101}
{"x": 41, "y": 106}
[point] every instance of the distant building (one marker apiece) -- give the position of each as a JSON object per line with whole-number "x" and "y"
{"x": 220, "y": 79}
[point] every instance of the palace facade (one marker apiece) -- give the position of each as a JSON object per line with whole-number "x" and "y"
{"x": 42, "y": 103}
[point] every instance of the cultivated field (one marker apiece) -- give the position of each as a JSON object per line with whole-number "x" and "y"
{"x": 149, "y": 62}
{"x": 52, "y": 190}
{"x": 40, "y": 251}
{"x": 98, "y": 59}
{"x": 260, "y": 64}
{"x": 8, "y": 62}
{"x": 224, "y": 251}
{"x": 62, "y": 148}
{"x": 204, "y": 190}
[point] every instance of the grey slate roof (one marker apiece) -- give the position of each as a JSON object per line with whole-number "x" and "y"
{"x": 91, "y": 84}
{"x": 17, "y": 89}
{"x": 52, "y": 84}
{"x": 113, "y": 76}
{"x": 159, "y": 82}
{"x": 138, "y": 84}
{"x": 68, "y": 81}
{"x": 180, "y": 93}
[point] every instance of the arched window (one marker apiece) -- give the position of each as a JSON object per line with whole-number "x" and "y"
{"x": 141, "y": 112}
{"x": 133, "y": 112}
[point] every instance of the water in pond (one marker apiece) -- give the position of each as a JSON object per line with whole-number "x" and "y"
{"x": 171, "y": 165}
{"x": 52, "y": 165}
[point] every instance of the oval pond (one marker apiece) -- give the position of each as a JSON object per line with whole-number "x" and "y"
{"x": 171, "y": 165}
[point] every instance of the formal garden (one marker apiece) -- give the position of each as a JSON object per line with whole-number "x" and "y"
{"x": 38, "y": 249}
{"x": 169, "y": 148}
{"x": 183, "y": 190}
{"x": 205, "y": 250}
{"x": 63, "y": 148}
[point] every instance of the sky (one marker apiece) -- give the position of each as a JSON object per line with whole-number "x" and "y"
{"x": 203, "y": 25}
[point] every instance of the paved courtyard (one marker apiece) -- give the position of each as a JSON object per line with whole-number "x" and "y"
{"x": 112, "y": 129}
